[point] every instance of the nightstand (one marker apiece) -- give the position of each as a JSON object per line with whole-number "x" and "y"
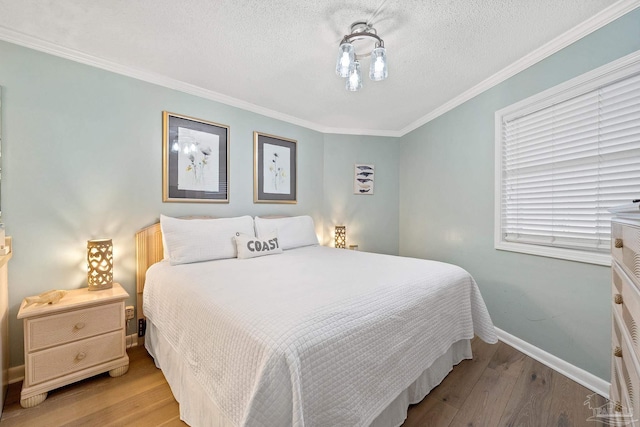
{"x": 80, "y": 336}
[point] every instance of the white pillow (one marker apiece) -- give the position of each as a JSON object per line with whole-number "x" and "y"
{"x": 251, "y": 247}
{"x": 194, "y": 240}
{"x": 292, "y": 232}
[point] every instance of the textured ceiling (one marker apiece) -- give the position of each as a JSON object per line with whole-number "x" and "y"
{"x": 280, "y": 54}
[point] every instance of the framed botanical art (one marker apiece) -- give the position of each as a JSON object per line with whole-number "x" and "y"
{"x": 274, "y": 169}
{"x": 195, "y": 160}
{"x": 363, "y": 178}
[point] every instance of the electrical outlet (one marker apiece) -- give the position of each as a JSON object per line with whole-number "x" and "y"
{"x": 128, "y": 312}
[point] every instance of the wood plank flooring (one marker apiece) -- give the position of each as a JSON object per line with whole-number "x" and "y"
{"x": 499, "y": 387}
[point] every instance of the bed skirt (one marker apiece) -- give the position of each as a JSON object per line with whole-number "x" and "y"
{"x": 197, "y": 410}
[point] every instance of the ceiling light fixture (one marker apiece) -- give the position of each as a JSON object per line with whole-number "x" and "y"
{"x": 348, "y": 64}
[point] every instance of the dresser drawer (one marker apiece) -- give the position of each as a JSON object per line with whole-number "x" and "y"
{"x": 625, "y": 247}
{"x": 626, "y": 304}
{"x": 62, "y": 328}
{"x": 625, "y": 366}
{"x": 616, "y": 392}
{"x": 619, "y": 403}
{"x": 63, "y": 360}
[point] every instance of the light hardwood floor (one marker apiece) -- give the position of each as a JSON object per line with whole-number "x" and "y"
{"x": 499, "y": 387}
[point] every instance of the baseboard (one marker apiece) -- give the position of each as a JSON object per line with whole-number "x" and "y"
{"x": 570, "y": 371}
{"x": 132, "y": 340}
{"x": 16, "y": 373}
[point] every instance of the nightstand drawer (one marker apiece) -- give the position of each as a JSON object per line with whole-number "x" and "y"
{"x": 71, "y": 326}
{"x": 58, "y": 361}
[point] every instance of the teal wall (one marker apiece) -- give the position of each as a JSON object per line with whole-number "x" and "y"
{"x": 371, "y": 221}
{"x": 447, "y": 212}
{"x": 82, "y": 157}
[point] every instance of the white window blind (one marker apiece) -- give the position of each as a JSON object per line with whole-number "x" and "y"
{"x": 565, "y": 161}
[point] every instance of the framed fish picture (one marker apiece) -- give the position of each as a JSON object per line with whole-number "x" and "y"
{"x": 363, "y": 179}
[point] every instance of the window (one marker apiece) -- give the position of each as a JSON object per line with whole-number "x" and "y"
{"x": 563, "y": 157}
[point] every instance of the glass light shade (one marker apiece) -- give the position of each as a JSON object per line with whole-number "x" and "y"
{"x": 378, "y": 70}
{"x": 341, "y": 236}
{"x": 99, "y": 264}
{"x": 346, "y": 57}
{"x": 354, "y": 79}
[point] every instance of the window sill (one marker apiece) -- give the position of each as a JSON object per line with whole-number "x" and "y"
{"x": 560, "y": 253}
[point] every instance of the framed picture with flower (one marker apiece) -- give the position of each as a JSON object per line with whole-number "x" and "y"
{"x": 274, "y": 169}
{"x": 195, "y": 160}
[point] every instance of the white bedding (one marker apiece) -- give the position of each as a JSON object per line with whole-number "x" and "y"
{"x": 312, "y": 337}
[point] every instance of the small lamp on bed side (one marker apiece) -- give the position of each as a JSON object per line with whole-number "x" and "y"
{"x": 99, "y": 264}
{"x": 341, "y": 236}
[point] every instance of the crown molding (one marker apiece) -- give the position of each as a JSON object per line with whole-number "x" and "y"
{"x": 38, "y": 44}
{"x": 368, "y": 132}
{"x": 35, "y": 43}
{"x": 592, "y": 24}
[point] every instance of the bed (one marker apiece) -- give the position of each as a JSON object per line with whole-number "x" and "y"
{"x": 312, "y": 336}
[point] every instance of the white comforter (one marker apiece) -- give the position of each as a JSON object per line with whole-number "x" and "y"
{"x": 315, "y": 336}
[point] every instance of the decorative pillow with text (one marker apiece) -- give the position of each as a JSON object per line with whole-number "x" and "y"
{"x": 251, "y": 247}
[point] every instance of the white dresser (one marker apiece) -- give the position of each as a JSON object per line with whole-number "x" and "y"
{"x": 625, "y": 272}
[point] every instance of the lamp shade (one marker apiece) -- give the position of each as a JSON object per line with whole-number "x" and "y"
{"x": 341, "y": 236}
{"x": 346, "y": 57}
{"x": 99, "y": 264}
{"x": 354, "y": 79}
{"x": 378, "y": 69}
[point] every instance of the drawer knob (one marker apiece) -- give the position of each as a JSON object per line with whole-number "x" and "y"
{"x": 617, "y": 352}
{"x": 617, "y": 243}
{"x": 79, "y": 325}
{"x": 81, "y": 356}
{"x": 617, "y": 298}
